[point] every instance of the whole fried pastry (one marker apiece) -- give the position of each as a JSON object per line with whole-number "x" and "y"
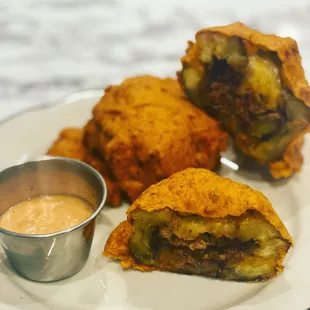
{"x": 196, "y": 222}
{"x": 254, "y": 84}
{"x": 145, "y": 130}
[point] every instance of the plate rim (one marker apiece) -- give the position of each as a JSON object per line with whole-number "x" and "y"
{"x": 63, "y": 100}
{"x": 69, "y": 99}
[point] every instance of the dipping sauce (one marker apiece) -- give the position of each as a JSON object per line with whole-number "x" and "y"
{"x": 46, "y": 214}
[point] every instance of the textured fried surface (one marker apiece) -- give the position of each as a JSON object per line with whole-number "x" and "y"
{"x": 69, "y": 144}
{"x": 141, "y": 132}
{"x": 255, "y": 85}
{"x": 146, "y": 131}
{"x": 194, "y": 191}
{"x": 207, "y": 195}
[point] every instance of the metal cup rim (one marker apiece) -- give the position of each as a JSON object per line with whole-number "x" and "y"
{"x": 82, "y": 224}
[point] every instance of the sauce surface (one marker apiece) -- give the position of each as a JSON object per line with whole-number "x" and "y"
{"x": 46, "y": 214}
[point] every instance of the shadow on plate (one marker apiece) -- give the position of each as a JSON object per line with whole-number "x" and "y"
{"x": 280, "y": 286}
{"x": 248, "y": 168}
{"x": 11, "y": 295}
{"x": 214, "y": 294}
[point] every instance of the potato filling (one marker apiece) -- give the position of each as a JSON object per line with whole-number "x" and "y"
{"x": 241, "y": 248}
{"x": 240, "y": 85}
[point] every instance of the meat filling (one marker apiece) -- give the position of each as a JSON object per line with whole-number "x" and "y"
{"x": 240, "y": 85}
{"x": 244, "y": 248}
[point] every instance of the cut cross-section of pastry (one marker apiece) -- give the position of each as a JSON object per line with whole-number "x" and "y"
{"x": 254, "y": 84}
{"x": 196, "y": 222}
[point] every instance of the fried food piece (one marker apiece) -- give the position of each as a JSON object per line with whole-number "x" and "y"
{"x": 142, "y": 131}
{"x": 145, "y": 130}
{"x": 196, "y": 222}
{"x": 255, "y": 86}
{"x": 69, "y": 144}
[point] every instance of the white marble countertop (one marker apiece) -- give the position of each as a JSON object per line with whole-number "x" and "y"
{"x": 50, "y": 48}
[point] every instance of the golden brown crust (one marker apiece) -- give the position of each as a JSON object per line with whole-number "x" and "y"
{"x": 141, "y": 132}
{"x": 91, "y": 136}
{"x": 68, "y": 144}
{"x": 207, "y": 195}
{"x": 117, "y": 243}
{"x": 292, "y": 158}
{"x": 146, "y": 131}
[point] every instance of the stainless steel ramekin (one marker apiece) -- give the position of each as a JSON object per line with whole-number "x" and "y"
{"x": 55, "y": 256}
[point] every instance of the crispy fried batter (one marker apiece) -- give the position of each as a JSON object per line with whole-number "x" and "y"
{"x": 69, "y": 144}
{"x": 141, "y": 132}
{"x": 255, "y": 85}
{"x": 198, "y": 192}
{"x": 146, "y": 131}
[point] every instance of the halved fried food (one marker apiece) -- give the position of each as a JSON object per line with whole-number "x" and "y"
{"x": 255, "y": 86}
{"x": 196, "y": 222}
{"x": 145, "y": 130}
{"x": 69, "y": 144}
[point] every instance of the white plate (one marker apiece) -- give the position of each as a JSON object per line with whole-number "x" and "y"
{"x": 102, "y": 284}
